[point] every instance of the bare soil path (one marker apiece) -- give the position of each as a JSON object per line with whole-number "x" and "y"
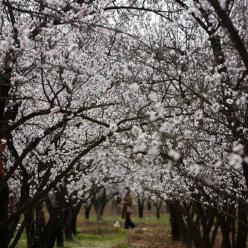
{"x": 152, "y": 236}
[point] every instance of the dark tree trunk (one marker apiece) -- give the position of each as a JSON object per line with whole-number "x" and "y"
{"x": 244, "y": 162}
{"x": 35, "y": 227}
{"x": 214, "y": 233}
{"x": 28, "y": 214}
{"x": 87, "y": 212}
{"x": 149, "y": 205}
{"x": 75, "y": 213}
{"x": 158, "y": 213}
{"x": 102, "y": 208}
{"x": 4, "y": 230}
{"x": 18, "y": 236}
{"x": 141, "y": 210}
{"x": 242, "y": 226}
{"x": 5, "y": 85}
{"x": 225, "y": 230}
{"x": 12, "y": 229}
{"x": 176, "y": 232}
{"x": 206, "y": 217}
{"x": 141, "y": 203}
{"x": 71, "y": 214}
{"x": 68, "y": 223}
{"x": 100, "y": 203}
{"x": 54, "y": 229}
{"x": 190, "y": 229}
{"x": 38, "y": 227}
{"x": 29, "y": 219}
{"x": 158, "y": 205}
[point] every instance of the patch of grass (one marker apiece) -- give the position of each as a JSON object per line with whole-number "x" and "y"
{"x": 150, "y": 220}
{"x": 84, "y": 240}
{"x": 120, "y": 235}
{"x": 102, "y": 234}
{"x": 22, "y": 243}
{"x": 111, "y": 219}
{"x": 90, "y": 237}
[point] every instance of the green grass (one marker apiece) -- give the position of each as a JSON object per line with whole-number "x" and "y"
{"x": 111, "y": 219}
{"x": 119, "y": 239}
{"x": 89, "y": 237}
{"x": 164, "y": 220}
{"x": 102, "y": 234}
{"x": 92, "y": 240}
{"x": 116, "y": 236}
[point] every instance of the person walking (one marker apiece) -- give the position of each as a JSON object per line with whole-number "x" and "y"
{"x": 127, "y": 208}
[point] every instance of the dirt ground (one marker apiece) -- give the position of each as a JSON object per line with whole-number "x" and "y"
{"x": 152, "y": 236}
{"x": 149, "y": 233}
{"x": 143, "y": 236}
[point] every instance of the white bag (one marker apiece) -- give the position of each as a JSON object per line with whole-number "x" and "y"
{"x": 117, "y": 224}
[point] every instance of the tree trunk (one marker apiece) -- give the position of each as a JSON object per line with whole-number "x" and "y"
{"x": 176, "y": 232}
{"x": 141, "y": 210}
{"x": 13, "y": 227}
{"x": 242, "y": 226}
{"x": 149, "y": 205}
{"x": 226, "y": 243}
{"x": 100, "y": 203}
{"x": 75, "y": 213}
{"x": 5, "y": 85}
{"x": 87, "y": 212}
{"x": 71, "y": 214}
{"x": 102, "y": 208}
{"x": 68, "y": 223}
{"x": 4, "y": 230}
{"x": 158, "y": 213}
{"x": 190, "y": 229}
{"x": 54, "y": 229}
{"x": 29, "y": 219}
{"x": 141, "y": 203}
{"x": 158, "y": 205}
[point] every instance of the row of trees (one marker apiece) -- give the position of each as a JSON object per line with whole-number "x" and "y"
{"x": 152, "y": 93}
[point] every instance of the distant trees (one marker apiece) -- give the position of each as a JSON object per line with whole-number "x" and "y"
{"x": 190, "y": 74}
